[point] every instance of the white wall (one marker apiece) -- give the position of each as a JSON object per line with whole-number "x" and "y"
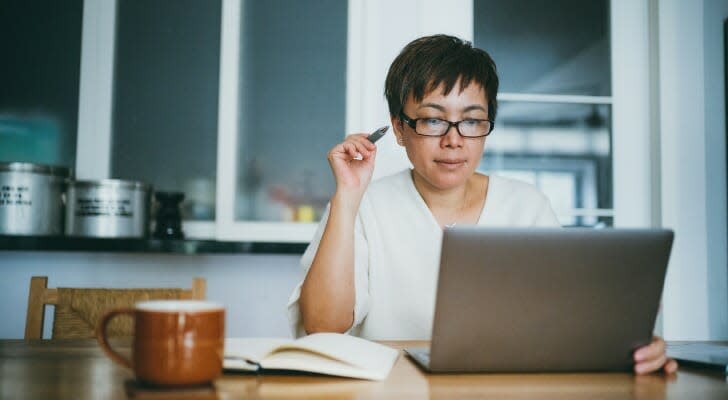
{"x": 715, "y": 160}
{"x": 693, "y": 174}
{"x": 254, "y": 288}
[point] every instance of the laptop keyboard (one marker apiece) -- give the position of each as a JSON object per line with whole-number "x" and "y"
{"x": 711, "y": 350}
{"x": 421, "y": 354}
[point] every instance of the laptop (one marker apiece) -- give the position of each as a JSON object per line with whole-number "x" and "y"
{"x": 545, "y": 300}
{"x": 712, "y": 355}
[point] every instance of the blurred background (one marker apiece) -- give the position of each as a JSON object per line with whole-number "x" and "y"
{"x": 615, "y": 109}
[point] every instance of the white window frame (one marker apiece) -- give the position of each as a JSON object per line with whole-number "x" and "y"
{"x": 93, "y": 142}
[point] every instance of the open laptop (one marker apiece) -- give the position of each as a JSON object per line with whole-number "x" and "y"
{"x": 545, "y": 300}
{"x": 713, "y": 355}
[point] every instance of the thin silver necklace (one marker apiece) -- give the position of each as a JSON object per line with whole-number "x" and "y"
{"x": 457, "y": 214}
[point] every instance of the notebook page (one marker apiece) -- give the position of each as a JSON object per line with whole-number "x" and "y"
{"x": 303, "y": 360}
{"x": 238, "y": 350}
{"x": 351, "y": 350}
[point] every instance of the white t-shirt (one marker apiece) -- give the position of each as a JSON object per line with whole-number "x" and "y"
{"x": 397, "y": 252}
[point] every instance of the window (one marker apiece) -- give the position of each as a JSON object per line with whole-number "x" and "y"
{"x": 292, "y": 107}
{"x": 166, "y": 98}
{"x": 39, "y": 77}
{"x": 553, "y": 127}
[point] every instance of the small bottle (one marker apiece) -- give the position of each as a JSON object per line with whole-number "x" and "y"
{"x": 169, "y": 218}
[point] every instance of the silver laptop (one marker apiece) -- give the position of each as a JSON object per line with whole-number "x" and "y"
{"x": 713, "y": 355}
{"x": 545, "y": 300}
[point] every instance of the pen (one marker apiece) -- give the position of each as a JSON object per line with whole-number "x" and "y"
{"x": 247, "y": 363}
{"x": 376, "y": 135}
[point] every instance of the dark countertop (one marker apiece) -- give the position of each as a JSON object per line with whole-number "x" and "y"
{"x": 183, "y": 246}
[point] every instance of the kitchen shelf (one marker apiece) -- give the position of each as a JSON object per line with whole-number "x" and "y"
{"x": 183, "y": 246}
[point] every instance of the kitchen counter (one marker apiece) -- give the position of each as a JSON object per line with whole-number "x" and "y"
{"x": 184, "y": 246}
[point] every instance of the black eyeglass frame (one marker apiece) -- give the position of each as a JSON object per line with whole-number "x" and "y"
{"x": 412, "y": 123}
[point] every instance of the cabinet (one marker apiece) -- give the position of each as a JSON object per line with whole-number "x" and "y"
{"x": 237, "y": 102}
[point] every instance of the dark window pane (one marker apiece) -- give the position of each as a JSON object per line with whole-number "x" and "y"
{"x": 293, "y": 105}
{"x": 547, "y": 46}
{"x": 40, "y": 42}
{"x": 564, "y": 149}
{"x": 165, "y": 97}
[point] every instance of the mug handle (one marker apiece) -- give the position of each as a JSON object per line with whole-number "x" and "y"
{"x": 103, "y": 340}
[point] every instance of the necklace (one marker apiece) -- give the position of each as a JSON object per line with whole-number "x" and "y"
{"x": 459, "y": 210}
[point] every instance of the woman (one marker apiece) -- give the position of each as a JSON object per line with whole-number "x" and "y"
{"x": 372, "y": 265}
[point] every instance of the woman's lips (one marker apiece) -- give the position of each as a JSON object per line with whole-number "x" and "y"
{"x": 450, "y": 163}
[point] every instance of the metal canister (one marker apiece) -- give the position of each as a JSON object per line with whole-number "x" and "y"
{"x": 109, "y": 208}
{"x": 31, "y": 198}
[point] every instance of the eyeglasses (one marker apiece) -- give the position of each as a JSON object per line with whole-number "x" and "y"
{"x": 468, "y": 128}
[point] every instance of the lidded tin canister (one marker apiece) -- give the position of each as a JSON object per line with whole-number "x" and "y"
{"x": 31, "y": 198}
{"x": 108, "y": 208}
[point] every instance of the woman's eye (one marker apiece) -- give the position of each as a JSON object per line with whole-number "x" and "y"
{"x": 433, "y": 121}
{"x": 470, "y": 122}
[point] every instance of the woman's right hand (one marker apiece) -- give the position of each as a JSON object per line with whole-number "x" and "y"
{"x": 352, "y": 162}
{"x": 327, "y": 294}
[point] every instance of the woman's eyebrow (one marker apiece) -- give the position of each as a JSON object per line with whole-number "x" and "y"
{"x": 431, "y": 105}
{"x": 474, "y": 107}
{"x": 436, "y": 106}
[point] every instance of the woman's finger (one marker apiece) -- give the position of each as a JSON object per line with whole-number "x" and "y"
{"x": 351, "y": 150}
{"x": 362, "y": 148}
{"x": 671, "y": 366}
{"x": 362, "y": 139}
{"x": 652, "y": 350}
{"x": 650, "y": 365}
{"x": 338, "y": 152}
{"x": 355, "y": 147}
{"x": 362, "y": 151}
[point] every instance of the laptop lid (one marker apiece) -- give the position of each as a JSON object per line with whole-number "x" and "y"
{"x": 527, "y": 300}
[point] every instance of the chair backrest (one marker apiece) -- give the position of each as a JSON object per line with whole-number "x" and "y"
{"x": 78, "y": 309}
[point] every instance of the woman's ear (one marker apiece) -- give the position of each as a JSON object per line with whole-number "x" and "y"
{"x": 397, "y": 130}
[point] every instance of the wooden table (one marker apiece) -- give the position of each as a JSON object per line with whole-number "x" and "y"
{"x": 79, "y": 370}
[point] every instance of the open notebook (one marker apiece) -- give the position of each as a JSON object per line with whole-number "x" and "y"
{"x": 323, "y": 353}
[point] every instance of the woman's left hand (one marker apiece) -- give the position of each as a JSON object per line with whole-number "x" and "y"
{"x": 652, "y": 358}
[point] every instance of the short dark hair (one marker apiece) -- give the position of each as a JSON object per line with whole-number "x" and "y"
{"x": 427, "y": 62}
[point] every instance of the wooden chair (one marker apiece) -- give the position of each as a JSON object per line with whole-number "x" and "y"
{"x": 78, "y": 309}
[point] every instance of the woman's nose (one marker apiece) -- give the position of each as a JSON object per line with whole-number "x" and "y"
{"x": 452, "y": 138}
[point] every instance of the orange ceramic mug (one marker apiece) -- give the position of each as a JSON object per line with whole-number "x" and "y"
{"x": 176, "y": 342}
